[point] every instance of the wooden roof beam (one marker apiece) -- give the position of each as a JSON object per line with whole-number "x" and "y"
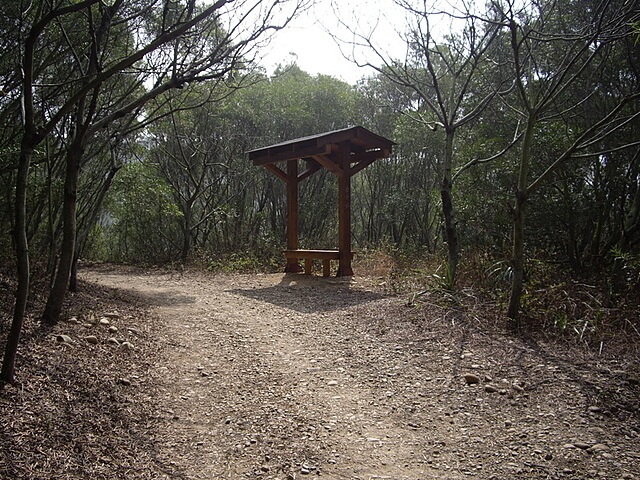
{"x": 363, "y": 160}
{"x": 312, "y": 167}
{"x": 328, "y": 164}
{"x": 279, "y": 173}
{"x": 264, "y": 157}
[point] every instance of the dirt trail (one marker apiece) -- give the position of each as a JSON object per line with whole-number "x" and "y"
{"x": 288, "y": 377}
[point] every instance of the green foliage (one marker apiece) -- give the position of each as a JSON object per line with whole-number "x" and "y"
{"x": 252, "y": 261}
{"x": 443, "y": 279}
{"x": 139, "y": 219}
{"x": 188, "y": 189}
{"x": 500, "y": 273}
{"x": 625, "y": 277}
{"x": 227, "y": 205}
{"x": 629, "y": 264}
{"x": 293, "y": 104}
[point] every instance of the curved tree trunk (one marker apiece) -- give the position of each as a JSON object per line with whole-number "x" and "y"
{"x": 22, "y": 255}
{"x": 55, "y": 302}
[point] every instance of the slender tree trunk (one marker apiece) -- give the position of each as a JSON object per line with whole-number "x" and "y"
{"x": 73, "y": 276}
{"x": 22, "y": 256}
{"x": 51, "y": 253}
{"x": 55, "y": 302}
{"x": 451, "y": 233}
{"x": 517, "y": 261}
{"x": 30, "y": 141}
{"x": 187, "y": 226}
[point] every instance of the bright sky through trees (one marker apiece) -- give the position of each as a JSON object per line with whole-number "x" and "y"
{"x": 308, "y": 40}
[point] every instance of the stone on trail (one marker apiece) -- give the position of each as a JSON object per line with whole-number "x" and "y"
{"x": 306, "y": 469}
{"x": 582, "y": 445}
{"x": 113, "y": 329}
{"x": 113, "y": 341}
{"x": 332, "y": 383}
{"x": 64, "y": 338}
{"x": 111, "y": 315}
{"x": 126, "y": 345}
{"x": 471, "y": 378}
{"x": 490, "y": 388}
{"x": 105, "y": 321}
{"x": 598, "y": 447}
{"x": 92, "y": 339}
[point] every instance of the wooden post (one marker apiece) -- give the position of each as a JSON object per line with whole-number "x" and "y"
{"x": 344, "y": 213}
{"x": 292, "y": 215}
{"x": 326, "y": 267}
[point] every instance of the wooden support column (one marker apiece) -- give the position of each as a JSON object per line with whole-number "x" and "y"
{"x": 292, "y": 215}
{"x": 344, "y": 212}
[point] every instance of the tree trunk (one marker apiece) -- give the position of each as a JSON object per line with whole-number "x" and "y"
{"x": 517, "y": 262}
{"x": 187, "y": 226}
{"x": 73, "y": 276}
{"x": 55, "y": 302}
{"x": 22, "y": 256}
{"x": 451, "y": 233}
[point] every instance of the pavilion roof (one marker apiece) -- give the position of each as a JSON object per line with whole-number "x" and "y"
{"x": 359, "y": 139}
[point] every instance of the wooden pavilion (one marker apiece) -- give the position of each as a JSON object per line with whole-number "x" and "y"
{"x": 343, "y": 152}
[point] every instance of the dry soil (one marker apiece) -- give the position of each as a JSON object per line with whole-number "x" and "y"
{"x": 280, "y": 376}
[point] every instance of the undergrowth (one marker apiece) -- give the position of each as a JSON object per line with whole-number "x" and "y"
{"x": 557, "y": 303}
{"x": 595, "y": 309}
{"x": 243, "y": 262}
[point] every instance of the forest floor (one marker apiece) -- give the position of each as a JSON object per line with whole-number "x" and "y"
{"x": 157, "y": 374}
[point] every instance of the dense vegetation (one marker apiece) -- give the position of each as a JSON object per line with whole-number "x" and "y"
{"x": 124, "y": 132}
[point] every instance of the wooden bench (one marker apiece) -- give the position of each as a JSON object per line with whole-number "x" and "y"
{"x": 309, "y": 255}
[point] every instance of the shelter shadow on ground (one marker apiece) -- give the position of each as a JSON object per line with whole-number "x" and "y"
{"x": 310, "y": 294}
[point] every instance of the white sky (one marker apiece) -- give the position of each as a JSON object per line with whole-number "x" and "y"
{"x": 316, "y": 52}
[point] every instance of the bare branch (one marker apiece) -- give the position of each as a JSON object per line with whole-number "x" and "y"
{"x": 581, "y": 141}
{"x": 480, "y": 161}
